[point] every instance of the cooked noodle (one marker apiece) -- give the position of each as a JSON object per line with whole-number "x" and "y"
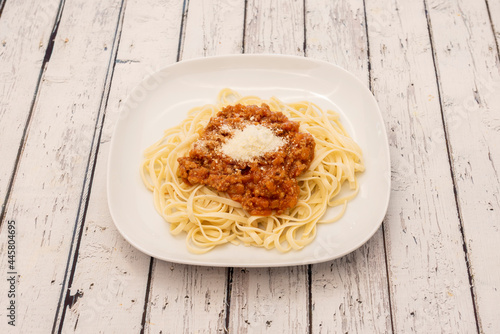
{"x": 212, "y": 218}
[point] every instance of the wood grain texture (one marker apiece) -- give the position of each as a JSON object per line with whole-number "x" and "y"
{"x": 469, "y": 75}
{"x": 213, "y": 28}
{"x": 22, "y": 49}
{"x": 186, "y": 299}
{"x": 191, "y": 298}
{"x": 349, "y": 294}
{"x": 275, "y": 26}
{"x": 271, "y": 300}
{"x": 429, "y": 284}
{"x": 47, "y": 190}
{"x": 336, "y": 33}
{"x": 111, "y": 274}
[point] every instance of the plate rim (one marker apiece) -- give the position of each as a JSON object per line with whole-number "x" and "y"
{"x": 200, "y": 262}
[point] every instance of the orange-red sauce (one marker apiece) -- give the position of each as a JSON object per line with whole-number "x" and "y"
{"x": 265, "y": 184}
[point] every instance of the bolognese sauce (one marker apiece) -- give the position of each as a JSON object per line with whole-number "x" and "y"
{"x": 254, "y": 155}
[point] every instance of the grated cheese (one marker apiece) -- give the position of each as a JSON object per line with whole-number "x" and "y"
{"x": 252, "y": 142}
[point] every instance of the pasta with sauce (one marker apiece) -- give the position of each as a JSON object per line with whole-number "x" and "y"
{"x": 211, "y": 218}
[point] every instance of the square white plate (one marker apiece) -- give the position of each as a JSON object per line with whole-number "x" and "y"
{"x": 162, "y": 101}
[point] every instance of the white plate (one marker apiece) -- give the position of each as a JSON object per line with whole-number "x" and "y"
{"x": 162, "y": 100}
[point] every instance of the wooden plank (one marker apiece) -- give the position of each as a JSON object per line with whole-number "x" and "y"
{"x": 429, "y": 284}
{"x": 463, "y": 40}
{"x": 47, "y": 190}
{"x": 186, "y": 299}
{"x": 110, "y": 277}
{"x": 23, "y": 44}
{"x": 275, "y": 26}
{"x": 208, "y": 25}
{"x": 336, "y": 32}
{"x": 271, "y": 300}
{"x": 349, "y": 295}
{"x": 192, "y": 298}
{"x": 110, "y": 274}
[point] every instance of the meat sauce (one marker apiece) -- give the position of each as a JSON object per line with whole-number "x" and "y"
{"x": 263, "y": 184}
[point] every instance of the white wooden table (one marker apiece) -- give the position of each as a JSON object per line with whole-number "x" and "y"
{"x": 66, "y": 66}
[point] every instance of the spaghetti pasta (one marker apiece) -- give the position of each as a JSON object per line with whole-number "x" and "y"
{"x": 211, "y": 218}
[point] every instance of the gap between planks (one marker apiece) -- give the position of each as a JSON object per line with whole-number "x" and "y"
{"x": 2, "y": 5}
{"x": 147, "y": 294}
{"x": 309, "y": 267}
{"x": 244, "y": 27}
{"x": 182, "y": 31}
